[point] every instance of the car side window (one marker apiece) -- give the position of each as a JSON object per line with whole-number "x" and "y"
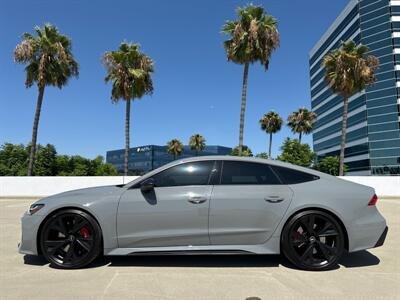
{"x": 289, "y": 176}
{"x": 192, "y": 173}
{"x": 238, "y": 172}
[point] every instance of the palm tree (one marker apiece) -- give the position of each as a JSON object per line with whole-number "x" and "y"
{"x": 349, "y": 71}
{"x": 253, "y": 37}
{"x": 197, "y": 143}
{"x": 301, "y": 121}
{"x": 130, "y": 71}
{"x": 49, "y": 62}
{"x": 271, "y": 123}
{"x": 175, "y": 147}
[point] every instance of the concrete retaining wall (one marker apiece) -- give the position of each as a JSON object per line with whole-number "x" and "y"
{"x": 45, "y": 186}
{"x": 388, "y": 186}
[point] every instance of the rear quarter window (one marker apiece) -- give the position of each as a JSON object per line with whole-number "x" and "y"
{"x": 247, "y": 173}
{"x": 289, "y": 176}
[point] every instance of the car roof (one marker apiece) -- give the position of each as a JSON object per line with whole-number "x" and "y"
{"x": 230, "y": 158}
{"x": 248, "y": 159}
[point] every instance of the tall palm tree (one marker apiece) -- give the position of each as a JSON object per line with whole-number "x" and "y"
{"x": 130, "y": 72}
{"x": 175, "y": 147}
{"x": 271, "y": 123}
{"x": 197, "y": 143}
{"x": 348, "y": 71}
{"x": 301, "y": 121}
{"x": 253, "y": 37}
{"x": 50, "y": 62}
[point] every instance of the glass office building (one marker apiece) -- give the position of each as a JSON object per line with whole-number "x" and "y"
{"x": 373, "y": 135}
{"x": 146, "y": 158}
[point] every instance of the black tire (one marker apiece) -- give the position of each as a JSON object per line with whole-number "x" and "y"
{"x": 70, "y": 239}
{"x": 313, "y": 240}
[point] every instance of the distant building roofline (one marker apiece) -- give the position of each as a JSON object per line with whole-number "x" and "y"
{"x": 153, "y": 145}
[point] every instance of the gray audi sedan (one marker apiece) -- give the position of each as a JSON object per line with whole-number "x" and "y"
{"x": 209, "y": 204}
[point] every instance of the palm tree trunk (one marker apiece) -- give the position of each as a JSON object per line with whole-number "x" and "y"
{"x": 270, "y": 145}
{"x": 35, "y": 130}
{"x": 243, "y": 106}
{"x": 343, "y": 141}
{"x": 127, "y": 123}
{"x": 300, "y": 137}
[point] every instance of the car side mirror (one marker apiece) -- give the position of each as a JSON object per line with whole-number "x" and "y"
{"x": 147, "y": 185}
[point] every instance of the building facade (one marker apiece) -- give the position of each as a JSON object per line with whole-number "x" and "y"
{"x": 373, "y": 135}
{"x": 146, "y": 158}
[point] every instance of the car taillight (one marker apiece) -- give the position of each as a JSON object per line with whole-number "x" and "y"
{"x": 373, "y": 200}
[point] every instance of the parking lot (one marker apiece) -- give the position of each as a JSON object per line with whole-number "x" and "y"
{"x": 372, "y": 274}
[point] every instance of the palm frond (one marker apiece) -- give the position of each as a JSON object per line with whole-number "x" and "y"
{"x": 175, "y": 147}
{"x": 253, "y": 36}
{"x": 48, "y": 55}
{"x": 271, "y": 122}
{"x": 301, "y": 121}
{"x": 348, "y": 70}
{"x": 130, "y": 72}
{"x": 197, "y": 142}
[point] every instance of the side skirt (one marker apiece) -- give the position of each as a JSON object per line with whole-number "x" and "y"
{"x": 270, "y": 247}
{"x": 192, "y": 252}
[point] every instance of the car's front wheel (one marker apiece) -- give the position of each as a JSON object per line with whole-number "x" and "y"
{"x": 313, "y": 240}
{"x": 70, "y": 239}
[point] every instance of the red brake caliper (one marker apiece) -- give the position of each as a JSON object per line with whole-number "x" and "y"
{"x": 84, "y": 232}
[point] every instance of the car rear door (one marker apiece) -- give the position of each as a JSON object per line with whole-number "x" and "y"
{"x": 175, "y": 213}
{"x": 247, "y": 204}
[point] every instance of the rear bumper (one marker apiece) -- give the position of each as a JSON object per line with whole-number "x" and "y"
{"x": 366, "y": 230}
{"x": 382, "y": 238}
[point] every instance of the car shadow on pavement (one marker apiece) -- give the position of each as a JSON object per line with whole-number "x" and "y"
{"x": 194, "y": 261}
{"x": 34, "y": 260}
{"x": 359, "y": 259}
{"x": 348, "y": 260}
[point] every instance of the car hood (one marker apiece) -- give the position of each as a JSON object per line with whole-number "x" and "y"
{"x": 84, "y": 195}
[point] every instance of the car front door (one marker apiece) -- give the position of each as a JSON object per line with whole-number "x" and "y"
{"x": 247, "y": 204}
{"x": 174, "y": 213}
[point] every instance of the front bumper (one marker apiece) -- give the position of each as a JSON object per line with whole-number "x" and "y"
{"x": 382, "y": 238}
{"x": 29, "y": 226}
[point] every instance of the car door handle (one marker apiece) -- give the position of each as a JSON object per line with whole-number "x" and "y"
{"x": 274, "y": 199}
{"x": 197, "y": 199}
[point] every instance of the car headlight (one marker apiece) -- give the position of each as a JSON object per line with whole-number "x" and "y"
{"x": 34, "y": 208}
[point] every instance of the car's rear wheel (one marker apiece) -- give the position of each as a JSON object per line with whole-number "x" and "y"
{"x": 70, "y": 239}
{"x": 313, "y": 240}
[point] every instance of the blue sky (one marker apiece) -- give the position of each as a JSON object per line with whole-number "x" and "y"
{"x": 196, "y": 89}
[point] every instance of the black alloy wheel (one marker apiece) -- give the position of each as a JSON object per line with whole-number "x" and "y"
{"x": 313, "y": 240}
{"x": 70, "y": 239}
